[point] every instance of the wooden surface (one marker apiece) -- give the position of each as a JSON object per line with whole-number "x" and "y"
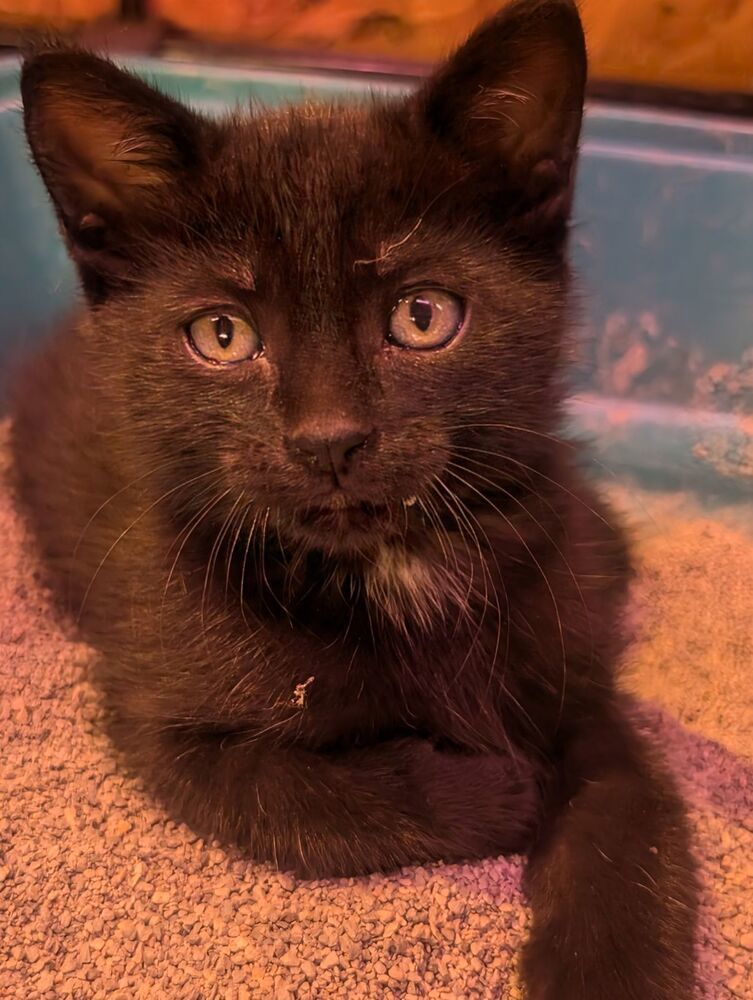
{"x": 686, "y": 43}
{"x": 691, "y": 43}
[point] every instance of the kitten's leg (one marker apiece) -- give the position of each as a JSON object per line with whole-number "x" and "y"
{"x": 611, "y": 881}
{"x": 377, "y": 808}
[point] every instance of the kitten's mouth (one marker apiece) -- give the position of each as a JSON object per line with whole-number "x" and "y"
{"x": 343, "y": 519}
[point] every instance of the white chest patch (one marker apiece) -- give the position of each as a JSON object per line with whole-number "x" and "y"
{"x": 410, "y": 588}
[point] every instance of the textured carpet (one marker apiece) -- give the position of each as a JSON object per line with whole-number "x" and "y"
{"x": 102, "y": 896}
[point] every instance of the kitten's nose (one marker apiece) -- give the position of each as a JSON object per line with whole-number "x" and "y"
{"x": 331, "y": 449}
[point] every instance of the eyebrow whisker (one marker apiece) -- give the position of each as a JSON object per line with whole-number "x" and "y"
{"x": 385, "y": 252}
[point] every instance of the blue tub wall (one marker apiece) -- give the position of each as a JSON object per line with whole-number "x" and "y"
{"x": 662, "y": 239}
{"x": 36, "y": 277}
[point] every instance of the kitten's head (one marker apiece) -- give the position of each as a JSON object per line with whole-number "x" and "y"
{"x": 317, "y": 309}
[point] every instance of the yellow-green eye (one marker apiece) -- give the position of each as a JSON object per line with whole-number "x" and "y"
{"x": 426, "y": 320}
{"x": 223, "y": 338}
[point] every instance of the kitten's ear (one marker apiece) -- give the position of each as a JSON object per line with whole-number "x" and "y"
{"x": 511, "y": 101}
{"x": 108, "y": 147}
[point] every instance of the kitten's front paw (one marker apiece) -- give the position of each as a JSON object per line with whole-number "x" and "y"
{"x": 485, "y": 803}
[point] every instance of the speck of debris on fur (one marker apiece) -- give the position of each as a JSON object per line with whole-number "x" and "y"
{"x": 299, "y": 693}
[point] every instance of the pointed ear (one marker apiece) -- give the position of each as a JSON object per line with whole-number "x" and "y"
{"x": 109, "y": 149}
{"x": 511, "y": 103}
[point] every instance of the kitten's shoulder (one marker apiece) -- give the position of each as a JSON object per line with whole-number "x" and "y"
{"x": 54, "y": 439}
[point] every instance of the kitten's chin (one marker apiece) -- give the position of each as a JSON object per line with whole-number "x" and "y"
{"x": 348, "y": 528}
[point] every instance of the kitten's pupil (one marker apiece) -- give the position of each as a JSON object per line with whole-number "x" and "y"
{"x": 223, "y": 330}
{"x": 421, "y": 313}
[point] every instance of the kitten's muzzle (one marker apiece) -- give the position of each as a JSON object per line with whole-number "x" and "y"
{"x": 329, "y": 450}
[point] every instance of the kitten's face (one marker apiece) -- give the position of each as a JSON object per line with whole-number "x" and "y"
{"x": 315, "y": 311}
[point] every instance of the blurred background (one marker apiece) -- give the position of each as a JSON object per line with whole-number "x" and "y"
{"x": 695, "y": 45}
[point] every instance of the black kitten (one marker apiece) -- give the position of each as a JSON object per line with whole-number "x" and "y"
{"x": 297, "y": 470}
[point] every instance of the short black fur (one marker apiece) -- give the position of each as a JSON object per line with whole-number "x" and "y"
{"x": 407, "y": 656}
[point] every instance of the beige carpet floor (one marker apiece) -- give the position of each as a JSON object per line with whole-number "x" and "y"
{"x": 102, "y": 897}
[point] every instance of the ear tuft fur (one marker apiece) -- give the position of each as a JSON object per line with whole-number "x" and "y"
{"x": 108, "y": 146}
{"x": 510, "y": 102}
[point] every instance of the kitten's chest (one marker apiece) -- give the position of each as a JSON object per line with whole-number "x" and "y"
{"x": 357, "y": 692}
{"x": 405, "y": 652}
